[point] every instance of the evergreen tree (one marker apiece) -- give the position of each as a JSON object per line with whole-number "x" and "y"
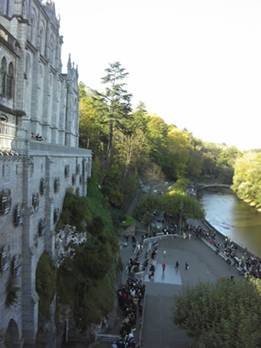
{"x": 118, "y": 102}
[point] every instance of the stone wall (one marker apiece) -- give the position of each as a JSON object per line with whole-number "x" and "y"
{"x": 39, "y": 154}
{"x": 47, "y": 98}
{"x": 37, "y": 183}
{"x": 10, "y": 240}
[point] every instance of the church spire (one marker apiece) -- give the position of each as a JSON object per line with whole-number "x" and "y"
{"x": 69, "y": 64}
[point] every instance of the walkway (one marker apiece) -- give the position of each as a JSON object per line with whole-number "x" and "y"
{"x": 159, "y": 330}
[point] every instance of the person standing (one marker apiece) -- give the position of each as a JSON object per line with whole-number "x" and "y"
{"x": 163, "y": 267}
{"x": 186, "y": 266}
{"x": 177, "y": 266}
{"x": 151, "y": 271}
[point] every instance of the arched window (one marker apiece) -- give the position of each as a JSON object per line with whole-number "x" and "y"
{"x": 3, "y": 77}
{"x": 10, "y": 81}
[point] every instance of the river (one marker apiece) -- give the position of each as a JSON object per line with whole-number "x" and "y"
{"x": 233, "y": 218}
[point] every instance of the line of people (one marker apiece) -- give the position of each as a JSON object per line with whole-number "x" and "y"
{"x": 246, "y": 263}
{"x": 150, "y": 259}
{"x": 130, "y": 300}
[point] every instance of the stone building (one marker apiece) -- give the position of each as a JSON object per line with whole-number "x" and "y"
{"x": 39, "y": 155}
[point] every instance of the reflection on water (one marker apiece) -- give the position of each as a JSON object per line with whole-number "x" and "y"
{"x": 234, "y": 219}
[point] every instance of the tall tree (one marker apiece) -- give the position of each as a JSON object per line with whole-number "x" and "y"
{"x": 93, "y": 125}
{"x": 118, "y": 102}
{"x": 132, "y": 144}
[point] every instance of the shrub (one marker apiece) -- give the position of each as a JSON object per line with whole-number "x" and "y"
{"x": 11, "y": 287}
{"x": 75, "y": 212}
{"x": 128, "y": 220}
{"x": 45, "y": 284}
{"x": 222, "y": 314}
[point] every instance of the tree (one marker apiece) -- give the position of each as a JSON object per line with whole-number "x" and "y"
{"x": 118, "y": 102}
{"x": 247, "y": 178}
{"x": 178, "y": 152}
{"x": 222, "y": 314}
{"x": 93, "y": 121}
{"x": 86, "y": 277}
{"x": 132, "y": 146}
{"x": 175, "y": 202}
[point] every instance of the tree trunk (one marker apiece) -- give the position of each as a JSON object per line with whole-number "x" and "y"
{"x": 109, "y": 146}
{"x": 128, "y": 156}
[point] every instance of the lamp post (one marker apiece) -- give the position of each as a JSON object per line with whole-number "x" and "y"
{"x": 180, "y": 216}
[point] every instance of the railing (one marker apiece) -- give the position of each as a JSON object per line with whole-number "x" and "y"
{"x": 7, "y": 135}
{"x": 37, "y": 147}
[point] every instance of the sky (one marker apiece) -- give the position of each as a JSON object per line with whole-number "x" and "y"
{"x": 195, "y": 63}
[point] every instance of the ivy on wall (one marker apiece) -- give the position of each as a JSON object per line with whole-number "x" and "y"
{"x": 45, "y": 284}
{"x": 11, "y": 287}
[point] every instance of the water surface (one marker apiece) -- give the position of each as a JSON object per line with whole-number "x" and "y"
{"x": 234, "y": 218}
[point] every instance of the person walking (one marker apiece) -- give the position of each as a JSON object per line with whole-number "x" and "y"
{"x": 186, "y": 266}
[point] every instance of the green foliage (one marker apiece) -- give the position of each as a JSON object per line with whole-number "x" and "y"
{"x": 11, "y": 287}
{"x": 85, "y": 281}
{"x": 45, "y": 284}
{"x": 148, "y": 204}
{"x": 247, "y": 178}
{"x": 117, "y": 103}
{"x": 216, "y": 160}
{"x": 132, "y": 144}
{"x": 98, "y": 204}
{"x": 176, "y": 202}
{"x": 127, "y": 221}
{"x": 111, "y": 187}
{"x": 75, "y": 212}
{"x": 93, "y": 124}
{"x": 96, "y": 302}
{"x": 180, "y": 185}
{"x": 179, "y": 202}
{"x": 222, "y": 314}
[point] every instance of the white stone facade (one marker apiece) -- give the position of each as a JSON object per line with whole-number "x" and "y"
{"x": 39, "y": 154}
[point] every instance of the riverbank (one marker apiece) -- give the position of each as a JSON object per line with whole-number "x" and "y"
{"x": 233, "y": 218}
{"x": 246, "y": 263}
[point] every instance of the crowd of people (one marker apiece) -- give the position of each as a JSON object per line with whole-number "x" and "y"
{"x": 131, "y": 295}
{"x": 246, "y": 263}
{"x": 130, "y": 300}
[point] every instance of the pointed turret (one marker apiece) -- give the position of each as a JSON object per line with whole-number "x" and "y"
{"x": 69, "y": 64}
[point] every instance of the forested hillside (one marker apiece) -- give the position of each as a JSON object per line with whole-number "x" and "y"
{"x": 247, "y": 178}
{"x": 130, "y": 147}
{"x": 129, "y": 143}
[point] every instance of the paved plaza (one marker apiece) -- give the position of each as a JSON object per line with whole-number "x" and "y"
{"x": 204, "y": 265}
